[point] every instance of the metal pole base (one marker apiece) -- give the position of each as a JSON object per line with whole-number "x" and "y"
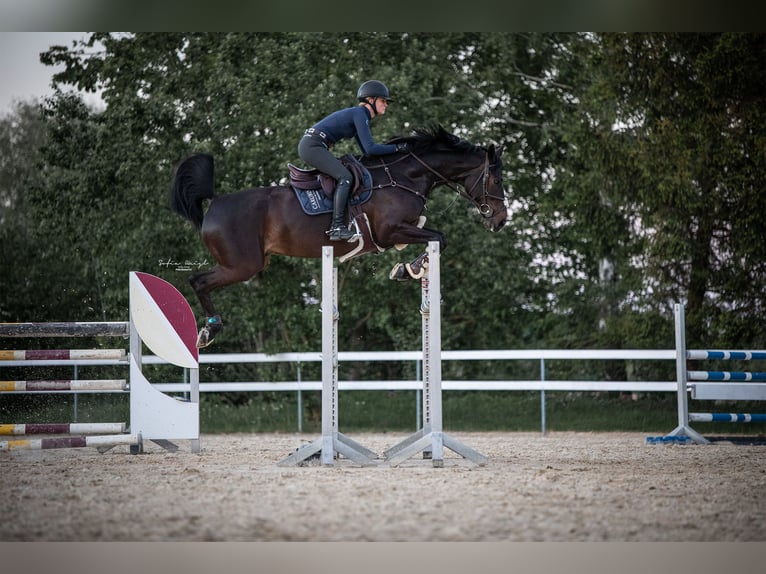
{"x": 339, "y": 445}
{"x": 685, "y": 430}
{"x": 431, "y": 443}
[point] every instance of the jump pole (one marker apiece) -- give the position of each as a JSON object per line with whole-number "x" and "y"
{"x": 102, "y": 443}
{"x": 24, "y": 429}
{"x": 431, "y": 439}
{"x": 70, "y": 329}
{"x": 332, "y": 442}
{"x": 69, "y": 385}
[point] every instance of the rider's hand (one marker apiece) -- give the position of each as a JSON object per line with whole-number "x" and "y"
{"x": 403, "y": 147}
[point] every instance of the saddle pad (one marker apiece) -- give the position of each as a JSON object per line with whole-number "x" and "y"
{"x": 316, "y": 202}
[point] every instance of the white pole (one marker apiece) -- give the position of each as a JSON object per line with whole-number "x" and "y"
{"x": 434, "y": 351}
{"x": 329, "y": 355}
{"x": 683, "y": 428}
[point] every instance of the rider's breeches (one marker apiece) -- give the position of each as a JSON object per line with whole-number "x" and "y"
{"x": 313, "y": 151}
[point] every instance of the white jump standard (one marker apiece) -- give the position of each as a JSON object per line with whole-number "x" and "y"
{"x": 713, "y": 385}
{"x": 332, "y": 442}
{"x": 431, "y": 439}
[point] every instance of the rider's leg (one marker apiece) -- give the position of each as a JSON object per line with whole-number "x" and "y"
{"x": 339, "y": 230}
{"x": 315, "y": 152}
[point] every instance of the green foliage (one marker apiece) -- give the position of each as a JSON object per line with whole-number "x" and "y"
{"x": 693, "y": 105}
{"x": 22, "y": 133}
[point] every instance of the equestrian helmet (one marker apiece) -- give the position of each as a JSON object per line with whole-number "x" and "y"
{"x": 373, "y": 89}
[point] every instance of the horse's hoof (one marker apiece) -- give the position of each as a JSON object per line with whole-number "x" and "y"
{"x": 417, "y": 269}
{"x": 207, "y": 334}
{"x": 204, "y": 338}
{"x": 399, "y": 273}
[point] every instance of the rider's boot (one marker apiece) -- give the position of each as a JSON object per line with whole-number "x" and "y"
{"x": 339, "y": 231}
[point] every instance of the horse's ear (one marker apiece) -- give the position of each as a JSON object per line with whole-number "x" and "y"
{"x": 495, "y": 152}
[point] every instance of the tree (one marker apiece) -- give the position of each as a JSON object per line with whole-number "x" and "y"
{"x": 693, "y": 106}
{"x": 22, "y": 134}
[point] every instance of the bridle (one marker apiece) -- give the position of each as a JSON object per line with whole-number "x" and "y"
{"x": 484, "y": 208}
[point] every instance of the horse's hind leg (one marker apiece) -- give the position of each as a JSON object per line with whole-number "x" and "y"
{"x": 203, "y": 283}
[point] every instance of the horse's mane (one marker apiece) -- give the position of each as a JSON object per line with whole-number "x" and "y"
{"x": 430, "y": 137}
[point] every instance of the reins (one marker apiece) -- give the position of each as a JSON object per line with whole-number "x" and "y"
{"x": 483, "y": 207}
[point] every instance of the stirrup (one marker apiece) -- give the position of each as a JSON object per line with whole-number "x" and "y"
{"x": 341, "y": 234}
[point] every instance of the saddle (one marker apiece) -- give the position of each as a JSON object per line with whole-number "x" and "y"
{"x": 315, "y": 190}
{"x": 313, "y": 179}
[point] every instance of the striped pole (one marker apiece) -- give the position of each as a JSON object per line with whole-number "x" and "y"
{"x": 63, "y": 385}
{"x": 726, "y": 355}
{"x": 63, "y": 354}
{"x": 70, "y": 442}
{"x": 62, "y": 428}
{"x": 727, "y": 418}
{"x": 68, "y": 329}
{"x": 726, "y": 376}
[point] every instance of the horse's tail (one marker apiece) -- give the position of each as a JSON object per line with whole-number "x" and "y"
{"x": 193, "y": 183}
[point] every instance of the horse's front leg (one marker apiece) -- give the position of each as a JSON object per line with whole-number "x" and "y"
{"x": 416, "y": 268}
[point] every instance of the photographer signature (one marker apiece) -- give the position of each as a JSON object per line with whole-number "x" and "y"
{"x": 186, "y": 265}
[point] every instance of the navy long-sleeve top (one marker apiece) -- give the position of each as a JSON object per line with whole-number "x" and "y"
{"x": 353, "y": 122}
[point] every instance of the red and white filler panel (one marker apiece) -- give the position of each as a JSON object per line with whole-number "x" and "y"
{"x": 162, "y": 319}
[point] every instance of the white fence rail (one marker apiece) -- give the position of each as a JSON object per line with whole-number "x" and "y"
{"x": 541, "y": 384}
{"x": 298, "y": 385}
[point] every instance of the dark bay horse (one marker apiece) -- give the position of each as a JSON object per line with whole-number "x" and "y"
{"x": 242, "y": 229}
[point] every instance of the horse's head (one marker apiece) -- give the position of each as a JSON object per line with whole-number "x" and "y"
{"x": 477, "y": 169}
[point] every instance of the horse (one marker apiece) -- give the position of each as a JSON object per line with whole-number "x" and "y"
{"x": 242, "y": 229}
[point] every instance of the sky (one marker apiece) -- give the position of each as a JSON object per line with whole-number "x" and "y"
{"x": 22, "y": 76}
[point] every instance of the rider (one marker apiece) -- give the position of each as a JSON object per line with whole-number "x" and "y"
{"x": 314, "y": 147}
